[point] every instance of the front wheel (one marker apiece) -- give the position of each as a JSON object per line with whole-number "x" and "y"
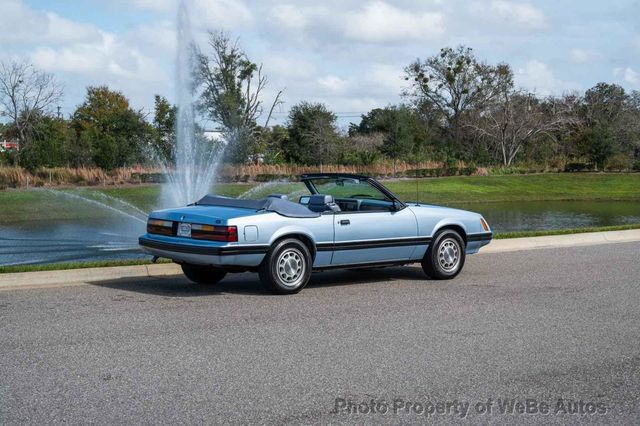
{"x": 445, "y": 257}
{"x": 202, "y": 274}
{"x": 287, "y": 267}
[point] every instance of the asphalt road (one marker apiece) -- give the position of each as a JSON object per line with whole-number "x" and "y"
{"x": 543, "y": 325}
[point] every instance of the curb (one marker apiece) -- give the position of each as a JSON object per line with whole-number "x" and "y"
{"x": 559, "y": 241}
{"x": 81, "y": 276}
{"x": 74, "y": 277}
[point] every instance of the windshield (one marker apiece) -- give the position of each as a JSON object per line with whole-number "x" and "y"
{"x": 347, "y": 188}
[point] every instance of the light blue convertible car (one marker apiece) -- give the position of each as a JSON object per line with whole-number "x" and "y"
{"x": 346, "y": 221}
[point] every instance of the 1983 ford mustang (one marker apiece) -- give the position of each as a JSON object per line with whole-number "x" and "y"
{"x": 346, "y": 221}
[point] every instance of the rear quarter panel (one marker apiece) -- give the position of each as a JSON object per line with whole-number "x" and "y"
{"x": 270, "y": 227}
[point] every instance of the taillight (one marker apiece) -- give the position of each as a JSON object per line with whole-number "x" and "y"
{"x": 227, "y": 234}
{"x": 161, "y": 227}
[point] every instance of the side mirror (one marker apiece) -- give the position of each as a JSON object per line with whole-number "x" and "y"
{"x": 396, "y": 206}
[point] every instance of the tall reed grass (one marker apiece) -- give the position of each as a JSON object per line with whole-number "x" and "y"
{"x": 17, "y": 177}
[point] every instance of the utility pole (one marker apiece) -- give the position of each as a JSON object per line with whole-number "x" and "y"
{"x": 59, "y": 115}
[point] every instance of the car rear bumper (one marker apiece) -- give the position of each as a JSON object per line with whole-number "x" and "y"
{"x": 238, "y": 255}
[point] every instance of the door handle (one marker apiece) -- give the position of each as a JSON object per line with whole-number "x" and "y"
{"x": 345, "y": 222}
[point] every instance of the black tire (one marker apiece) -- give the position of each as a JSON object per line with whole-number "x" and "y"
{"x": 445, "y": 256}
{"x": 286, "y": 268}
{"x": 202, "y": 274}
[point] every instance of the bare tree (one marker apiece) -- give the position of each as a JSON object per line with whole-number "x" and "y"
{"x": 513, "y": 120}
{"x": 231, "y": 89}
{"x": 25, "y": 94}
{"x": 453, "y": 82}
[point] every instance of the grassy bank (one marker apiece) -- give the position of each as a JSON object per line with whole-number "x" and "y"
{"x": 525, "y": 234}
{"x": 549, "y": 187}
{"x": 41, "y": 204}
{"x": 76, "y": 265}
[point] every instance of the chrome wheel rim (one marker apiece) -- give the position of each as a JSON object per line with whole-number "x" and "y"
{"x": 449, "y": 255}
{"x": 291, "y": 267}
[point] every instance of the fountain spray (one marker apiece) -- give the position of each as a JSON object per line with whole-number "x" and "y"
{"x": 196, "y": 157}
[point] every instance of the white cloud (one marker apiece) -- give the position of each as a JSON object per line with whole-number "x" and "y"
{"x": 333, "y": 83}
{"x": 512, "y": 14}
{"x": 627, "y": 75}
{"x": 226, "y": 14}
{"x": 156, "y": 5}
{"x": 20, "y": 24}
{"x": 381, "y": 22}
{"x": 631, "y": 77}
{"x": 384, "y": 79}
{"x": 537, "y": 76}
{"x": 289, "y": 16}
{"x": 109, "y": 58}
{"x": 581, "y": 56}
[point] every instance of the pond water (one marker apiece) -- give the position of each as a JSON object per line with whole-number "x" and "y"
{"x": 547, "y": 215}
{"x": 37, "y": 242}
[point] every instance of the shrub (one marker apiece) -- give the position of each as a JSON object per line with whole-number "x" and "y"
{"x": 636, "y": 166}
{"x": 578, "y": 167}
{"x": 266, "y": 177}
{"x": 512, "y": 170}
{"x": 618, "y": 162}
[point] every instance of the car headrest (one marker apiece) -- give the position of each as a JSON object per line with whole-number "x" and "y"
{"x": 281, "y": 196}
{"x": 320, "y": 199}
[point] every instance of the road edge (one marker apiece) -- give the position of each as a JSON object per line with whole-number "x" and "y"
{"x": 71, "y": 277}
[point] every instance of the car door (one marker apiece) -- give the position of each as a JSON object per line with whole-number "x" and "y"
{"x": 374, "y": 236}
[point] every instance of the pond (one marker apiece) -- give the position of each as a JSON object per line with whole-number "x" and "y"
{"x": 548, "y": 215}
{"x": 39, "y": 241}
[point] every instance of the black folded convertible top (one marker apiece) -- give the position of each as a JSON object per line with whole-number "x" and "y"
{"x": 276, "y": 205}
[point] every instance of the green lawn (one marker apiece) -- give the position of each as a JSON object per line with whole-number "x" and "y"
{"x": 549, "y": 187}
{"x": 38, "y": 204}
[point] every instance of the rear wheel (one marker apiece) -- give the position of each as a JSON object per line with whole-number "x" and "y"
{"x": 286, "y": 269}
{"x": 202, "y": 274}
{"x": 445, "y": 257}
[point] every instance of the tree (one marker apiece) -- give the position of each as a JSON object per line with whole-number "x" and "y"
{"x": 115, "y": 133}
{"x": 404, "y": 134}
{"x": 512, "y": 120}
{"x": 448, "y": 85}
{"x": 164, "y": 125}
{"x": 47, "y": 146}
{"x": 595, "y": 143}
{"x": 231, "y": 88}
{"x": 25, "y": 95}
{"x": 313, "y": 138}
{"x": 610, "y": 118}
{"x": 271, "y": 143}
{"x": 604, "y": 104}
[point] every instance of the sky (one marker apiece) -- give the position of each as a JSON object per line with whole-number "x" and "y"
{"x": 347, "y": 54}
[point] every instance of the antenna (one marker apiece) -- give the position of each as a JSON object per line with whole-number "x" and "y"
{"x": 417, "y": 192}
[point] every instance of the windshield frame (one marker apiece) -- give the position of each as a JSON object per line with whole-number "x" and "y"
{"x": 308, "y": 180}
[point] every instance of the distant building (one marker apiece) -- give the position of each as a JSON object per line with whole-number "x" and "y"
{"x": 7, "y": 144}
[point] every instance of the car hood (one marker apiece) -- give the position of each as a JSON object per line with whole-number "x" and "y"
{"x": 417, "y": 207}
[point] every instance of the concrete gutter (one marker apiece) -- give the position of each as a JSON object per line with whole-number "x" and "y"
{"x": 74, "y": 277}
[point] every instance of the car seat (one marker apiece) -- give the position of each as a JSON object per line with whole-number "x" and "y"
{"x": 322, "y": 203}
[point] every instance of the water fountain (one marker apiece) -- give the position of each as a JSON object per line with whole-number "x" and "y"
{"x": 196, "y": 157}
{"x": 188, "y": 179}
